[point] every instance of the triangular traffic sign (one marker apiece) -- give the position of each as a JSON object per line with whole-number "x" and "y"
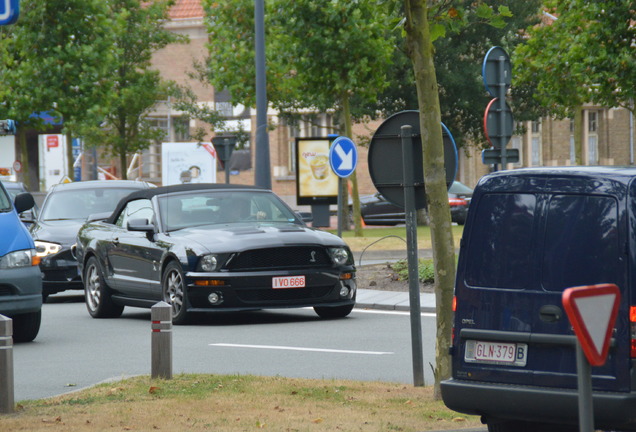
{"x": 592, "y": 312}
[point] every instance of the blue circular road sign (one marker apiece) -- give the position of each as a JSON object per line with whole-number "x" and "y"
{"x": 343, "y": 157}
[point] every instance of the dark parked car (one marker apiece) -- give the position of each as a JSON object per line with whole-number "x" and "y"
{"x": 65, "y": 209}
{"x": 531, "y": 234}
{"x": 207, "y": 248}
{"x": 15, "y": 188}
{"x": 376, "y": 210}
{"x": 20, "y": 279}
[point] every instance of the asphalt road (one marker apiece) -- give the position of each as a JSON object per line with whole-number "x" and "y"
{"x": 74, "y": 351}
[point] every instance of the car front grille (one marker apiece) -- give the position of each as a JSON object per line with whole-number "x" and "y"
{"x": 280, "y": 258}
{"x": 270, "y": 295}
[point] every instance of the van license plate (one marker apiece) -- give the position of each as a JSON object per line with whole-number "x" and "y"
{"x": 284, "y": 282}
{"x": 502, "y": 353}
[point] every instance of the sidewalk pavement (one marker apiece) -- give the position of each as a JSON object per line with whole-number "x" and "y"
{"x": 390, "y": 300}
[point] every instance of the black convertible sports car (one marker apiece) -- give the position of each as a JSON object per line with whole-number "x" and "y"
{"x": 209, "y": 247}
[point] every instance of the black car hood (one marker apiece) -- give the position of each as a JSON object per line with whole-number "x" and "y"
{"x": 63, "y": 232}
{"x": 236, "y": 238}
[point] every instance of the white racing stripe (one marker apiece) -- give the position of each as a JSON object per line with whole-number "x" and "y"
{"x": 275, "y": 347}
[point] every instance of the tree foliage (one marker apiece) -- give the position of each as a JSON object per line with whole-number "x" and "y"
{"x": 584, "y": 52}
{"x": 319, "y": 55}
{"x": 135, "y": 87}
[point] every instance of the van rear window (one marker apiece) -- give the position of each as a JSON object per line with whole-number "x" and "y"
{"x": 581, "y": 242}
{"x": 501, "y": 241}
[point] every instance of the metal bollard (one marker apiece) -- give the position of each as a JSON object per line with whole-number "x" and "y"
{"x": 7, "y": 404}
{"x": 161, "y": 317}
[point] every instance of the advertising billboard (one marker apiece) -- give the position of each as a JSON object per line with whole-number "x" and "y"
{"x": 316, "y": 182}
{"x": 187, "y": 162}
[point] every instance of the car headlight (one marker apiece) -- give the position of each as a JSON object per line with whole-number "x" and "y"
{"x": 21, "y": 258}
{"x": 340, "y": 256}
{"x": 45, "y": 248}
{"x": 209, "y": 263}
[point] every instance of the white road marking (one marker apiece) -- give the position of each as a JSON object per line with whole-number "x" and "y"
{"x": 275, "y": 347}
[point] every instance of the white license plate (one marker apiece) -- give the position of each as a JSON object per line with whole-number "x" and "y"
{"x": 285, "y": 282}
{"x": 504, "y": 353}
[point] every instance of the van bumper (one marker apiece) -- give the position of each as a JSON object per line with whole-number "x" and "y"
{"x": 547, "y": 405}
{"x": 20, "y": 290}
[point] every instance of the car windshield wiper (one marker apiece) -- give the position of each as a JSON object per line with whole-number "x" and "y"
{"x": 61, "y": 219}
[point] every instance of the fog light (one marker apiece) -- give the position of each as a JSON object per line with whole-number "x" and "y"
{"x": 344, "y": 291}
{"x": 215, "y": 298}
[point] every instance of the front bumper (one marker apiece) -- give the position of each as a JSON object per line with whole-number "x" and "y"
{"x": 253, "y": 290}
{"x": 527, "y": 403}
{"x": 20, "y": 291}
{"x": 60, "y": 272}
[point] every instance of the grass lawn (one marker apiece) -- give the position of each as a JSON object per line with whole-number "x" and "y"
{"x": 393, "y": 238}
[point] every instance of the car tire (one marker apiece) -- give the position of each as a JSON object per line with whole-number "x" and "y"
{"x": 97, "y": 294}
{"x": 174, "y": 292}
{"x": 26, "y": 326}
{"x": 333, "y": 312}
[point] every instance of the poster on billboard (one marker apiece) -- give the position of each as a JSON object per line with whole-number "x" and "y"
{"x": 187, "y": 162}
{"x": 316, "y": 182}
{"x": 53, "y": 160}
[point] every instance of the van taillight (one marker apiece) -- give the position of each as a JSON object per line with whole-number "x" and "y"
{"x": 632, "y": 324}
{"x": 454, "y": 307}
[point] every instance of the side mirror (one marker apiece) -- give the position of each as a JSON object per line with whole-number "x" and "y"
{"x": 142, "y": 225}
{"x": 23, "y": 201}
{"x": 27, "y": 216}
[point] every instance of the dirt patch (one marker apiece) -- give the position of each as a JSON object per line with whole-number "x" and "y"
{"x": 382, "y": 277}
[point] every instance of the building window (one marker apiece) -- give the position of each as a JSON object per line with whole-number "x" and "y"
{"x": 592, "y": 122}
{"x": 224, "y": 108}
{"x": 536, "y": 127}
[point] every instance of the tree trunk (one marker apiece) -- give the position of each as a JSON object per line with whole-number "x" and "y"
{"x": 123, "y": 162}
{"x": 355, "y": 196}
{"x": 69, "y": 157}
{"x": 23, "y": 157}
{"x": 578, "y": 135}
{"x": 420, "y": 50}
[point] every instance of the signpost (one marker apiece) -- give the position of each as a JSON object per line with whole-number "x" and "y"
{"x": 396, "y": 168}
{"x": 9, "y": 11}
{"x": 498, "y": 119}
{"x": 343, "y": 159}
{"x": 592, "y": 312}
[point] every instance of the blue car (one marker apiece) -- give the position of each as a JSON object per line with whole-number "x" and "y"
{"x": 530, "y": 235}
{"x": 20, "y": 278}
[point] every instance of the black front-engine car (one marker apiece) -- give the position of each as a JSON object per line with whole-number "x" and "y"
{"x": 207, "y": 248}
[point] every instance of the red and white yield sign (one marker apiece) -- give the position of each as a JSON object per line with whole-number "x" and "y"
{"x": 592, "y": 312}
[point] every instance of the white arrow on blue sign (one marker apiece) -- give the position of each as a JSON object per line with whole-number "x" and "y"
{"x": 343, "y": 157}
{"x": 9, "y": 11}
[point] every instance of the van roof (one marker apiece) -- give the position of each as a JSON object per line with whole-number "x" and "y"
{"x": 616, "y": 173}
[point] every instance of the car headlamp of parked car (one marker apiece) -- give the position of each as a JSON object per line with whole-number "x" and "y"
{"x": 21, "y": 258}
{"x": 209, "y": 263}
{"x": 340, "y": 256}
{"x": 46, "y": 248}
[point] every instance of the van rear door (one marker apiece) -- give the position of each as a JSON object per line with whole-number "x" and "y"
{"x": 528, "y": 239}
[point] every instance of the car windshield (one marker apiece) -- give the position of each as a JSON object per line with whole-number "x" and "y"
{"x": 80, "y": 203}
{"x": 205, "y": 207}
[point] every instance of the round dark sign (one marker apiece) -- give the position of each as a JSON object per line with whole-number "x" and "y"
{"x": 385, "y": 158}
{"x": 496, "y": 70}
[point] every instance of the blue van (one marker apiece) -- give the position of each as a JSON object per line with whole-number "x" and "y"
{"x": 20, "y": 277}
{"x": 530, "y": 234}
